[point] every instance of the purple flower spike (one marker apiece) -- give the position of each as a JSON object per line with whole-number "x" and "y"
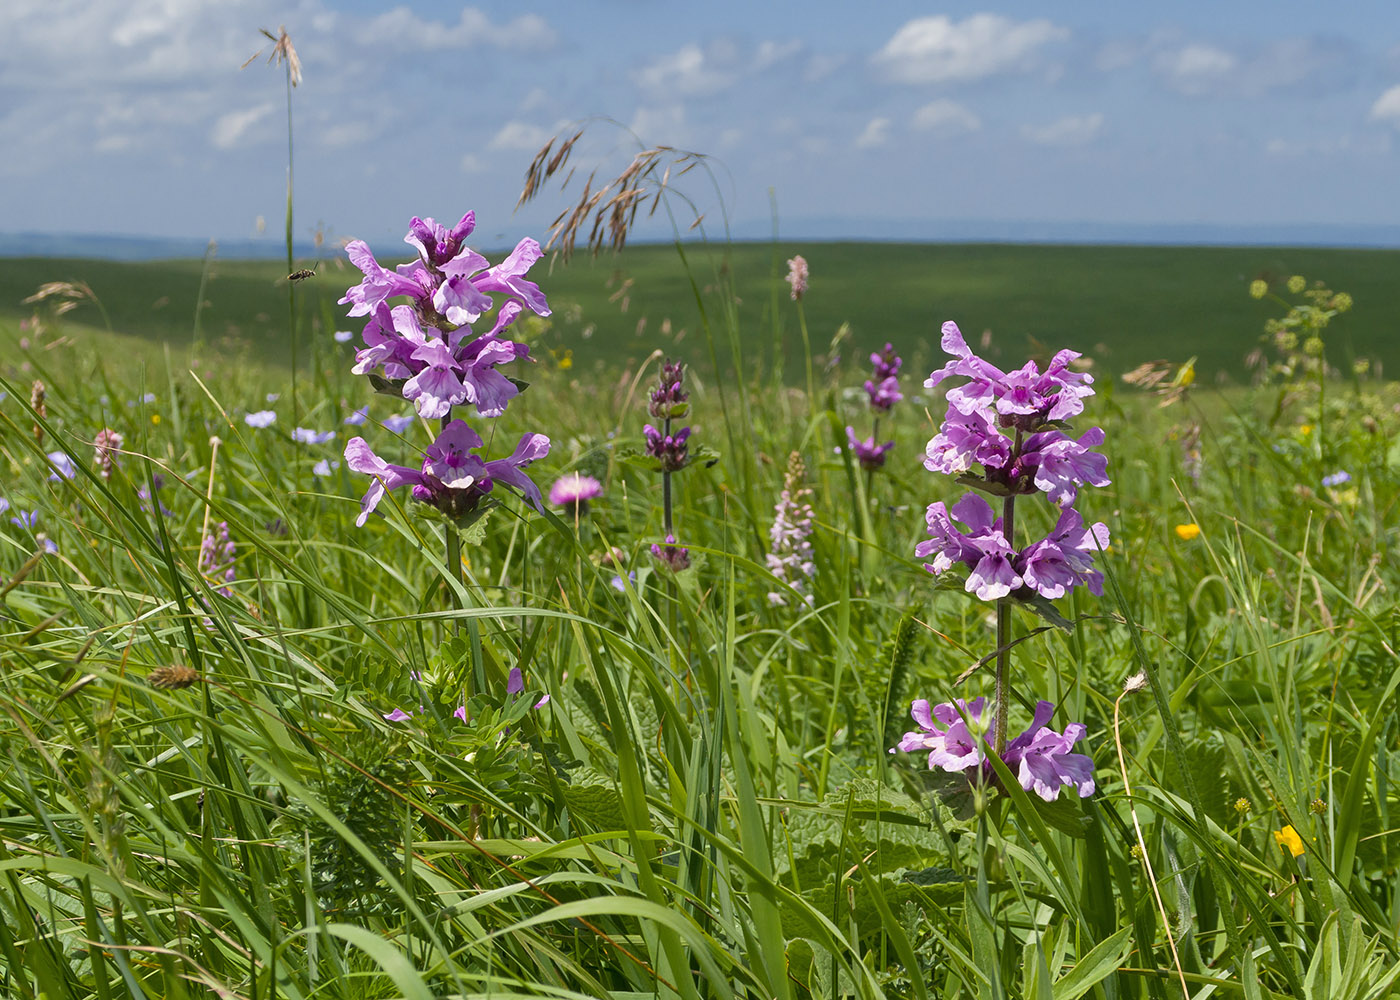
{"x": 870, "y": 455}
{"x": 886, "y": 363}
{"x": 451, "y": 478}
{"x": 669, "y": 449}
{"x": 674, "y": 557}
{"x": 1064, "y": 558}
{"x": 959, "y": 741}
{"x": 668, "y": 399}
{"x": 883, "y": 394}
{"x": 1062, "y": 464}
{"x": 984, "y": 547}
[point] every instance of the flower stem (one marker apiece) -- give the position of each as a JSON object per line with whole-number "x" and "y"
{"x": 453, "y": 539}
{"x": 1008, "y": 528}
{"x": 807, "y": 353}
{"x": 666, "y": 485}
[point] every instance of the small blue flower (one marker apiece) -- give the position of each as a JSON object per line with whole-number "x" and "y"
{"x": 261, "y": 418}
{"x": 399, "y": 424}
{"x": 305, "y": 435}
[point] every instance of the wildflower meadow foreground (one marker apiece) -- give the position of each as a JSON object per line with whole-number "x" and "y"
{"x": 918, "y": 670}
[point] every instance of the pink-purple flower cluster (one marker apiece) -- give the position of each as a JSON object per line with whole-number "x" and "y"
{"x": 216, "y": 556}
{"x": 670, "y": 450}
{"x": 450, "y": 478}
{"x": 882, "y": 389}
{"x": 668, "y": 399}
{"x": 790, "y": 558}
{"x": 1011, "y": 424}
{"x": 427, "y": 351}
{"x": 959, "y": 741}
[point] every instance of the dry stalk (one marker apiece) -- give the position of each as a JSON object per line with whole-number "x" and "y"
{"x": 609, "y": 212}
{"x": 1136, "y": 683}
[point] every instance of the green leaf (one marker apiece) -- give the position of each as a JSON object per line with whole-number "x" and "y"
{"x": 1095, "y": 967}
{"x": 1042, "y": 606}
{"x": 387, "y": 386}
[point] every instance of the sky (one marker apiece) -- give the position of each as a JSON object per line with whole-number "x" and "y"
{"x": 134, "y": 116}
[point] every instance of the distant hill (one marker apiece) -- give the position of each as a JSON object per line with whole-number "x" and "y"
{"x": 1122, "y": 305}
{"x": 822, "y": 229}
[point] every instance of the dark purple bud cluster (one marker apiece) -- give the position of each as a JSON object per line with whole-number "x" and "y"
{"x": 669, "y": 449}
{"x": 668, "y": 400}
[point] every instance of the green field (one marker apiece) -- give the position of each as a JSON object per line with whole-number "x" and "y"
{"x": 250, "y": 748}
{"x": 1122, "y": 305}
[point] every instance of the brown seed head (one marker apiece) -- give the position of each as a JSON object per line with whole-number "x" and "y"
{"x": 168, "y": 678}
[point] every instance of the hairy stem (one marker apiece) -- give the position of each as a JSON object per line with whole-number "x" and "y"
{"x": 1008, "y": 528}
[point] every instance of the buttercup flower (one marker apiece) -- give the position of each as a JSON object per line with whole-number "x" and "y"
{"x": 1186, "y": 532}
{"x": 1288, "y": 840}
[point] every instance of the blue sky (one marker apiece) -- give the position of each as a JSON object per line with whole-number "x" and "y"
{"x": 133, "y": 117}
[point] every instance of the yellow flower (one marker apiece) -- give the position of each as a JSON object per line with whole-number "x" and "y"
{"x": 1288, "y": 840}
{"x": 1297, "y": 283}
{"x": 1258, "y": 288}
{"x": 567, "y": 361}
{"x": 1305, "y": 430}
{"x": 1186, "y": 532}
{"x": 155, "y": 418}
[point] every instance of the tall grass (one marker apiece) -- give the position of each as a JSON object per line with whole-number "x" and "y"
{"x": 705, "y": 807}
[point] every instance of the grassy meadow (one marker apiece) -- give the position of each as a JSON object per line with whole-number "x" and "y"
{"x": 200, "y": 792}
{"x": 1124, "y": 305}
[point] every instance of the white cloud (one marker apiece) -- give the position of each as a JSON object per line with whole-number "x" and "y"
{"x": 1311, "y": 66}
{"x": 946, "y": 117}
{"x": 771, "y": 53}
{"x": 661, "y": 126}
{"x": 1072, "y": 130}
{"x": 1387, "y": 106}
{"x": 520, "y": 136}
{"x": 822, "y": 65}
{"x": 1197, "y": 69}
{"x": 113, "y": 143}
{"x": 1116, "y": 55}
{"x": 876, "y": 133}
{"x": 346, "y": 133}
{"x": 232, "y": 126}
{"x": 689, "y": 72}
{"x": 472, "y": 164}
{"x": 401, "y": 28}
{"x": 938, "y": 50}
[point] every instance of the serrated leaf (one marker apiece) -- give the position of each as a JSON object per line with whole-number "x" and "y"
{"x": 938, "y": 875}
{"x": 596, "y": 803}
